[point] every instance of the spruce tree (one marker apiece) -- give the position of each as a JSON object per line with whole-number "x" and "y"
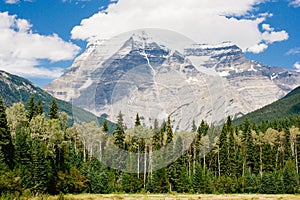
{"x": 30, "y": 108}
{"x": 194, "y": 127}
{"x": 53, "y": 112}
{"x": 137, "y": 120}
{"x": 159, "y": 182}
{"x": 6, "y": 144}
{"x": 39, "y": 107}
{"x": 169, "y": 131}
{"x": 223, "y": 155}
{"x": 231, "y": 150}
{"x": 157, "y": 136}
{"x": 290, "y": 178}
{"x": 105, "y": 126}
{"x": 119, "y": 133}
{"x": 248, "y": 141}
{"x": 41, "y": 168}
{"x": 287, "y": 141}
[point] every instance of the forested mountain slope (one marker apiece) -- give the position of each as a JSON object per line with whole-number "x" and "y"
{"x": 288, "y": 106}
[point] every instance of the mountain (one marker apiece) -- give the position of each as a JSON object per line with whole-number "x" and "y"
{"x": 15, "y": 89}
{"x": 288, "y": 106}
{"x": 159, "y": 73}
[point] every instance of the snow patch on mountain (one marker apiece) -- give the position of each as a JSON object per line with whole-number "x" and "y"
{"x": 157, "y": 73}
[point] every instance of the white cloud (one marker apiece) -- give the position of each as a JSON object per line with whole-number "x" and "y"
{"x": 273, "y": 36}
{"x": 293, "y": 51}
{"x": 21, "y": 50}
{"x": 295, "y": 3}
{"x": 297, "y": 66}
{"x": 204, "y": 21}
{"x": 11, "y": 1}
{"x": 16, "y": 1}
{"x": 70, "y": 1}
{"x": 258, "y": 48}
{"x": 267, "y": 27}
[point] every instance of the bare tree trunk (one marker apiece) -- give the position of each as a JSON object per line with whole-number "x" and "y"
{"x": 150, "y": 161}
{"x": 75, "y": 145}
{"x": 145, "y": 165}
{"x": 84, "y": 153}
{"x": 100, "y": 151}
{"x": 194, "y": 160}
{"x": 244, "y": 164}
{"x": 138, "y": 162}
{"x": 296, "y": 157}
{"x": 91, "y": 151}
{"x": 219, "y": 166}
{"x": 277, "y": 154}
{"x": 260, "y": 160}
{"x": 204, "y": 163}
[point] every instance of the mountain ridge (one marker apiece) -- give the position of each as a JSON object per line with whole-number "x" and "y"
{"x": 14, "y": 89}
{"x": 141, "y": 74}
{"x": 288, "y": 106}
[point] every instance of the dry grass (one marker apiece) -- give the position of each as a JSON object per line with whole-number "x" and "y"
{"x": 174, "y": 197}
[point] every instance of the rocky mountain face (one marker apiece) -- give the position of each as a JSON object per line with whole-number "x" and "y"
{"x": 160, "y": 76}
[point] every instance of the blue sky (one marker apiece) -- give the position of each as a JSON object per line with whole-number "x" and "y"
{"x": 40, "y": 38}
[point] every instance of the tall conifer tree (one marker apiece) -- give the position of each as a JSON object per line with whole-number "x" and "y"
{"x": 6, "y": 145}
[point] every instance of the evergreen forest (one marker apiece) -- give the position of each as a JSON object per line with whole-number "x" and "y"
{"x": 42, "y": 154}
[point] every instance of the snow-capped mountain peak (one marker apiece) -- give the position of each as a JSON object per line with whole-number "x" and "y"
{"x": 156, "y": 73}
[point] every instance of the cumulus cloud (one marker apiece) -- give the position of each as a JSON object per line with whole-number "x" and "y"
{"x": 205, "y": 21}
{"x": 268, "y": 36}
{"x": 274, "y": 36}
{"x": 21, "y": 50}
{"x": 297, "y": 66}
{"x": 267, "y": 27}
{"x": 295, "y": 3}
{"x": 257, "y": 48}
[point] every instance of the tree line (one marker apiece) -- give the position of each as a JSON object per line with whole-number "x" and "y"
{"x": 42, "y": 154}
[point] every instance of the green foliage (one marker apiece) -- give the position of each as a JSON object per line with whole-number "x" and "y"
{"x": 30, "y": 108}
{"x": 288, "y": 106}
{"x": 15, "y": 89}
{"x": 137, "y": 120}
{"x": 105, "y": 126}
{"x": 6, "y": 145}
{"x": 53, "y": 112}
{"x": 49, "y": 156}
{"x": 169, "y": 131}
{"x": 290, "y": 178}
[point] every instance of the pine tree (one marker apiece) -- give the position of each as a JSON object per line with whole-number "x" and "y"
{"x": 231, "y": 150}
{"x": 41, "y": 168}
{"x": 169, "y": 131}
{"x": 39, "y": 107}
{"x": 159, "y": 182}
{"x": 248, "y": 141}
{"x": 119, "y": 133}
{"x": 194, "y": 127}
{"x": 197, "y": 181}
{"x": 53, "y": 112}
{"x": 137, "y": 120}
{"x": 105, "y": 126}
{"x": 223, "y": 155}
{"x": 287, "y": 141}
{"x": 120, "y": 121}
{"x": 290, "y": 178}
{"x": 267, "y": 184}
{"x": 203, "y": 128}
{"x": 157, "y": 136}
{"x": 30, "y": 108}
{"x": 6, "y": 144}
